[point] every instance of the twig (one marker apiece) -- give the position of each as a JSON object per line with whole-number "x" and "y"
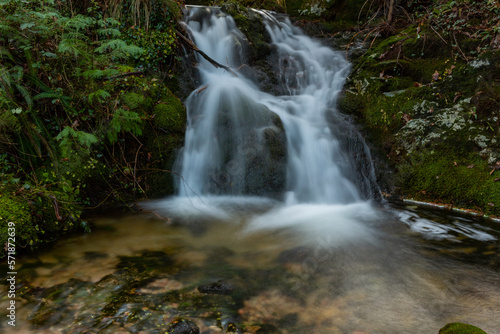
{"x": 459, "y": 49}
{"x": 135, "y": 168}
{"x": 438, "y": 35}
{"x": 56, "y": 207}
{"x": 203, "y": 54}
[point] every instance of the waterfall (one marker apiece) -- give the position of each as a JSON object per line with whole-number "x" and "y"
{"x": 243, "y": 141}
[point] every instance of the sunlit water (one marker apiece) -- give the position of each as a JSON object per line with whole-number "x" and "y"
{"x": 320, "y": 258}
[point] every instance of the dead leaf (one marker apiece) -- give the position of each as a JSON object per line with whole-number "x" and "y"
{"x": 491, "y": 204}
{"x": 455, "y": 163}
{"x": 417, "y": 84}
{"x": 435, "y": 76}
{"x": 406, "y": 118}
{"x": 470, "y": 166}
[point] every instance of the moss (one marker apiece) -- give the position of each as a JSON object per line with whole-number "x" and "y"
{"x": 34, "y": 213}
{"x": 450, "y": 176}
{"x": 460, "y": 328}
{"x": 163, "y": 141}
{"x": 160, "y": 181}
{"x": 169, "y": 114}
{"x": 15, "y": 209}
{"x": 250, "y": 24}
{"x": 133, "y": 100}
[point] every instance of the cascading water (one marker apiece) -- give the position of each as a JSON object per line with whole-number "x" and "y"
{"x": 234, "y": 142}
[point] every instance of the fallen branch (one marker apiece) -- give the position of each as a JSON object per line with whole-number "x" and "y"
{"x": 203, "y": 54}
{"x": 129, "y": 74}
{"x": 153, "y": 213}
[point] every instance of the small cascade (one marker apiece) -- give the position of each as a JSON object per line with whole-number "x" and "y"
{"x": 242, "y": 141}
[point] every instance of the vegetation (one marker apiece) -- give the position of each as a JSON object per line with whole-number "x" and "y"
{"x": 424, "y": 87}
{"x": 89, "y": 113}
{"x": 78, "y": 89}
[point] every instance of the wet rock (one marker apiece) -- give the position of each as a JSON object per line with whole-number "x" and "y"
{"x": 183, "y": 326}
{"x": 460, "y": 328}
{"x": 232, "y": 328}
{"x": 219, "y": 288}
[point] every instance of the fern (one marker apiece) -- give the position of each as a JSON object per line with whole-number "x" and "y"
{"x": 9, "y": 123}
{"x": 76, "y": 23}
{"x": 109, "y": 32}
{"x": 109, "y": 21}
{"x": 72, "y": 46}
{"x": 27, "y": 97}
{"x": 119, "y": 48}
{"x": 124, "y": 121}
{"x": 100, "y": 95}
{"x": 71, "y": 140}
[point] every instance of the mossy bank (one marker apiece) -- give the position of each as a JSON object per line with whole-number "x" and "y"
{"x": 89, "y": 115}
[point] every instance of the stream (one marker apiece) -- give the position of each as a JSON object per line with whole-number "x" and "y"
{"x": 278, "y": 225}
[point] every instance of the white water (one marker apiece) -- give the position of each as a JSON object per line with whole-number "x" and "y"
{"x": 215, "y": 157}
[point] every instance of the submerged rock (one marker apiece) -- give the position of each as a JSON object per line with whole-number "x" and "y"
{"x": 460, "y": 328}
{"x": 220, "y": 288}
{"x": 183, "y": 326}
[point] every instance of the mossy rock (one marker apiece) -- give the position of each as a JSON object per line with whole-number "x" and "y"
{"x": 450, "y": 176}
{"x": 250, "y": 24}
{"x": 460, "y": 328}
{"x": 169, "y": 114}
{"x": 133, "y": 100}
{"x": 15, "y": 209}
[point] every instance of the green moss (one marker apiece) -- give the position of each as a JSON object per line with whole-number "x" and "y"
{"x": 450, "y": 176}
{"x": 15, "y": 209}
{"x": 460, "y": 328}
{"x": 133, "y": 100}
{"x": 169, "y": 114}
{"x": 250, "y": 24}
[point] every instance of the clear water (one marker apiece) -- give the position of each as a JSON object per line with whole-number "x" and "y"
{"x": 310, "y": 268}
{"x": 322, "y": 258}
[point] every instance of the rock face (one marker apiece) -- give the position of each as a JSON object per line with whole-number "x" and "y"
{"x": 433, "y": 119}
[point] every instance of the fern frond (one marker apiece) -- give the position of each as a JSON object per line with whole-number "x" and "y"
{"x": 5, "y": 52}
{"x": 109, "y": 21}
{"x": 46, "y": 15}
{"x": 76, "y": 23}
{"x": 49, "y": 95}
{"x": 68, "y": 137}
{"x": 27, "y": 96}
{"x": 112, "y": 32}
{"x": 111, "y": 45}
{"x": 124, "y": 121}
{"x": 72, "y": 46}
{"x": 100, "y": 95}
{"x": 119, "y": 49}
{"x": 5, "y": 78}
{"x": 93, "y": 74}
{"x": 9, "y": 122}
